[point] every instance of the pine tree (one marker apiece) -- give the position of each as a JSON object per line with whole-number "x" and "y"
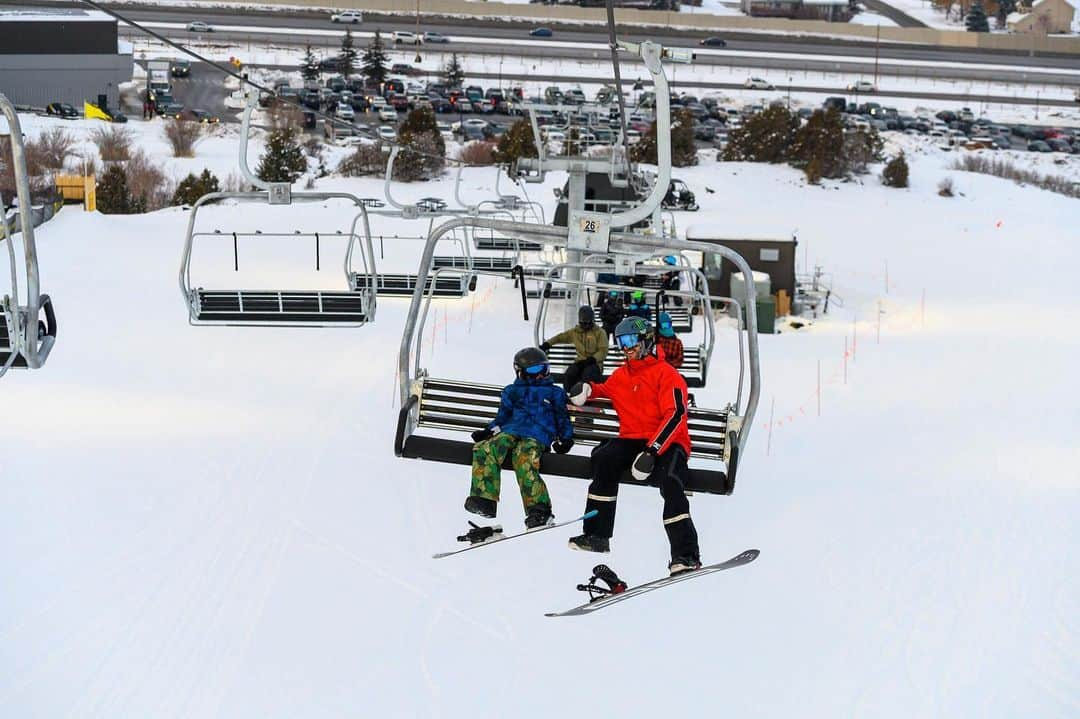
{"x": 424, "y": 152}
{"x": 976, "y": 18}
{"x": 895, "y": 173}
{"x": 517, "y": 142}
{"x": 764, "y": 138}
{"x": 683, "y": 148}
{"x": 191, "y": 188}
{"x": 818, "y": 146}
{"x": 309, "y": 67}
{"x": 347, "y": 56}
{"x": 453, "y": 74}
{"x": 283, "y": 160}
{"x": 1004, "y": 9}
{"x": 113, "y": 196}
{"x": 374, "y": 61}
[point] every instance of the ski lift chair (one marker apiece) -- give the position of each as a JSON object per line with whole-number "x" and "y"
{"x": 280, "y": 307}
{"x": 27, "y": 330}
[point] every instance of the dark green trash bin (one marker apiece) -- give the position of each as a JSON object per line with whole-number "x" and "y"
{"x": 766, "y": 315}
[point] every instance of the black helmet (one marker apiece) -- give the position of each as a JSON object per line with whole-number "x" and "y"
{"x": 633, "y": 331}
{"x": 586, "y": 317}
{"x": 531, "y": 363}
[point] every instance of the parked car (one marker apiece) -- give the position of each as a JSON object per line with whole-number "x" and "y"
{"x": 180, "y": 68}
{"x": 435, "y": 37}
{"x": 540, "y": 32}
{"x": 966, "y": 115}
{"x": 713, "y": 42}
{"x": 174, "y": 110}
{"x": 403, "y": 68}
{"x": 344, "y": 112}
{"x": 199, "y": 26}
{"x": 406, "y": 37}
{"x": 862, "y": 86}
{"x": 757, "y": 83}
{"x": 329, "y": 64}
{"x": 1002, "y": 142}
{"x": 61, "y": 109}
{"x": 388, "y": 114}
{"x": 350, "y": 16}
{"x": 1038, "y": 146}
{"x": 1058, "y": 145}
{"x": 387, "y": 132}
{"x": 203, "y": 117}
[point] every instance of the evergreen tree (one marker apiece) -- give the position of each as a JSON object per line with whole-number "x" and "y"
{"x": 424, "y": 152}
{"x": 764, "y": 138}
{"x": 374, "y": 62}
{"x": 818, "y": 146}
{"x": 283, "y": 160}
{"x": 347, "y": 56}
{"x": 683, "y": 149}
{"x": 191, "y": 188}
{"x": 517, "y": 142}
{"x": 1004, "y": 9}
{"x": 113, "y": 196}
{"x": 976, "y": 18}
{"x": 860, "y": 149}
{"x": 895, "y": 173}
{"x": 309, "y": 67}
{"x": 453, "y": 74}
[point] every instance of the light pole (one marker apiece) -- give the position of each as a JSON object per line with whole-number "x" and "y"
{"x": 789, "y": 93}
{"x": 877, "y": 45}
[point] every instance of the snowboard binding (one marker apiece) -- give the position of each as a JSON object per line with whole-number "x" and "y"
{"x": 479, "y": 534}
{"x": 603, "y": 573}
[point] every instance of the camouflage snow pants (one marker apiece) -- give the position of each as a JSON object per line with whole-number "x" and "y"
{"x": 487, "y": 468}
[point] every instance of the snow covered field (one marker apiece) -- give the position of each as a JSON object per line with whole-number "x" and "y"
{"x": 210, "y": 522}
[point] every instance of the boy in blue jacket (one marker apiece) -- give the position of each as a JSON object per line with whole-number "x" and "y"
{"x": 532, "y": 414}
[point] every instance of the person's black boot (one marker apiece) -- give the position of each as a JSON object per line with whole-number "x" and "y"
{"x": 539, "y": 515}
{"x": 480, "y": 505}
{"x": 590, "y": 543}
{"x": 679, "y": 565}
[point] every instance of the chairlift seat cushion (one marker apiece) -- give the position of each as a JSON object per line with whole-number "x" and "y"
{"x": 454, "y": 285}
{"x": 560, "y": 357}
{"x": 506, "y": 243}
{"x": 479, "y": 263}
{"x": 269, "y": 306}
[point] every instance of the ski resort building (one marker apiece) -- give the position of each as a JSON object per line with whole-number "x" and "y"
{"x": 61, "y": 55}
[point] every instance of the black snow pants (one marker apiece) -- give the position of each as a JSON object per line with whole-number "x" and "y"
{"x": 608, "y": 462}
{"x": 585, "y": 370}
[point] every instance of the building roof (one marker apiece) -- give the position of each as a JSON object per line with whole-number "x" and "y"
{"x": 42, "y": 14}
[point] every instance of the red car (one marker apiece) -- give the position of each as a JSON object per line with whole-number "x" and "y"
{"x": 398, "y": 101}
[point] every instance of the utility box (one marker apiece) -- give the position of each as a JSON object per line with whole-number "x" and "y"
{"x": 766, "y": 315}
{"x": 762, "y": 285}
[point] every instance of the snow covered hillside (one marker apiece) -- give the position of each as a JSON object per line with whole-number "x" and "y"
{"x": 210, "y": 521}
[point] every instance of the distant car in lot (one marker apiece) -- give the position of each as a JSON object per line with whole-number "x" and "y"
{"x": 344, "y": 112}
{"x": 757, "y": 83}
{"x": 713, "y": 42}
{"x": 405, "y": 37}
{"x": 180, "y": 68}
{"x": 386, "y": 132}
{"x": 862, "y": 86}
{"x": 404, "y": 68}
{"x": 199, "y": 26}
{"x": 204, "y": 117}
{"x": 1002, "y": 142}
{"x": 540, "y": 32}
{"x": 329, "y": 64}
{"x": 435, "y": 37}
{"x": 388, "y": 114}
{"x": 1038, "y": 146}
{"x": 174, "y": 110}
{"x": 61, "y": 109}
{"x": 351, "y": 16}
{"x": 1058, "y": 145}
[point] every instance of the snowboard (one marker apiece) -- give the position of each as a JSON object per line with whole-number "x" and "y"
{"x": 497, "y": 535}
{"x": 608, "y": 599}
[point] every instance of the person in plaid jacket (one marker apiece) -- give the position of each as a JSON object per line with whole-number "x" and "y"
{"x": 671, "y": 345}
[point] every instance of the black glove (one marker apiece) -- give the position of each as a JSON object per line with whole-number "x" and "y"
{"x": 545, "y": 346}
{"x": 644, "y": 464}
{"x": 481, "y": 434}
{"x": 562, "y": 446}
{"x": 588, "y": 361}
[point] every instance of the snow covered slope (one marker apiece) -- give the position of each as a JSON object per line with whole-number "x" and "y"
{"x": 210, "y": 522}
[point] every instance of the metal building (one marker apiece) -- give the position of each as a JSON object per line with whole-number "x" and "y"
{"x": 61, "y": 55}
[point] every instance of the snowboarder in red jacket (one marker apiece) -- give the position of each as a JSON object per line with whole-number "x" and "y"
{"x": 650, "y": 398}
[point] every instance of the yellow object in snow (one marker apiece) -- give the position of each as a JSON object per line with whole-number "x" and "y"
{"x": 94, "y": 112}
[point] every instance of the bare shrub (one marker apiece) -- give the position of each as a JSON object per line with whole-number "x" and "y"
{"x": 1005, "y": 169}
{"x": 232, "y": 183}
{"x": 182, "y": 136}
{"x": 48, "y": 152}
{"x": 945, "y": 187}
{"x": 113, "y": 142}
{"x": 146, "y": 180}
{"x": 480, "y": 152}
{"x": 367, "y": 160}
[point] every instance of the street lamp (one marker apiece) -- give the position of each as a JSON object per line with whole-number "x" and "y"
{"x": 789, "y": 93}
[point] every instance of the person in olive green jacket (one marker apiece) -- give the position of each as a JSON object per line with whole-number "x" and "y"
{"x": 590, "y": 345}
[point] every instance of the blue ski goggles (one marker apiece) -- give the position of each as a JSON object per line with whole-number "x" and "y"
{"x": 537, "y": 369}
{"x": 627, "y": 342}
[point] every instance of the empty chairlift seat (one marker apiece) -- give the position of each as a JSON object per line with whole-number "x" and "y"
{"x": 506, "y": 243}
{"x": 497, "y": 264}
{"x": 278, "y": 307}
{"x": 462, "y": 407}
{"x": 7, "y": 346}
{"x": 446, "y": 285}
{"x": 692, "y": 370}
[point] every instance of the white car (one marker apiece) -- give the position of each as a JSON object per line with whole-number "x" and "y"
{"x": 862, "y": 86}
{"x": 199, "y": 26}
{"x": 353, "y": 16}
{"x": 445, "y": 131}
{"x": 387, "y": 133}
{"x": 387, "y": 114}
{"x": 475, "y": 122}
{"x": 407, "y": 38}
{"x": 344, "y": 112}
{"x": 757, "y": 83}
